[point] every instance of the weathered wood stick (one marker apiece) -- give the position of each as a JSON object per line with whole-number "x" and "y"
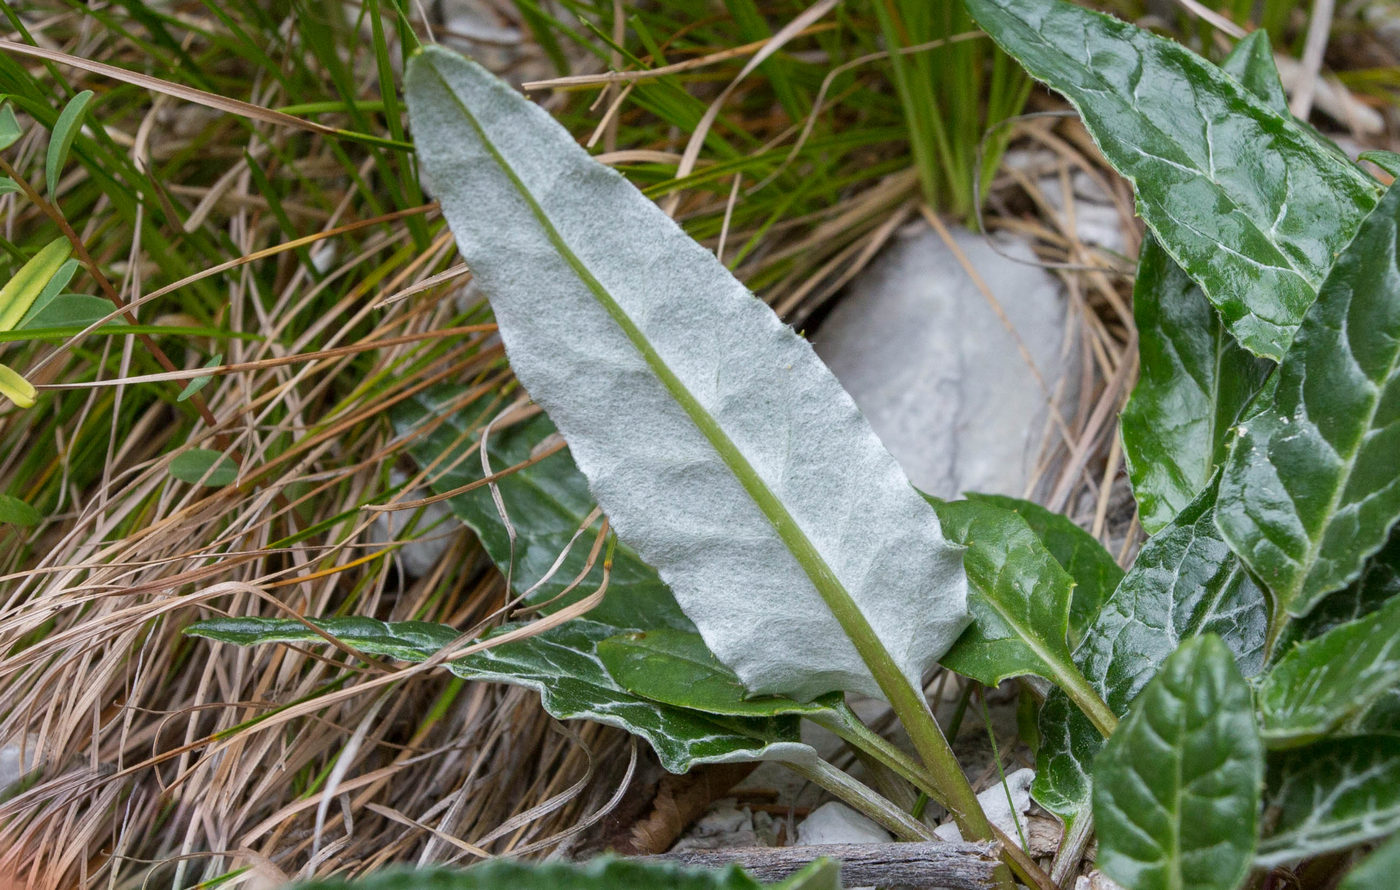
{"x": 926, "y": 864}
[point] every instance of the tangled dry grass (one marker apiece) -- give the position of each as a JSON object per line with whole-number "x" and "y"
{"x": 329, "y": 292}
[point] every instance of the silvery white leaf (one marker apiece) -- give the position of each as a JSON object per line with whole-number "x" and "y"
{"x": 721, "y": 448}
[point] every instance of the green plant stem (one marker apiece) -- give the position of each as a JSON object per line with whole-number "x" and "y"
{"x": 863, "y": 799}
{"x": 1083, "y": 695}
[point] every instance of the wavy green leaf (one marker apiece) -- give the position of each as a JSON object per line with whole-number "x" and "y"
{"x": 1311, "y": 487}
{"x": 722, "y": 449}
{"x": 1331, "y": 796}
{"x": 1176, "y": 789}
{"x": 1019, "y": 601}
{"x": 547, "y": 502}
{"x": 605, "y": 873}
{"x": 1238, "y": 193}
{"x": 1193, "y": 381}
{"x": 562, "y": 665}
{"x": 1093, "y": 568}
{"x": 1327, "y": 684}
{"x": 1378, "y": 584}
{"x": 674, "y": 667}
{"x": 1186, "y": 582}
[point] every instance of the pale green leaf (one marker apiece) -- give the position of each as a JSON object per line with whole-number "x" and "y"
{"x": 17, "y": 512}
{"x": 1311, "y": 487}
{"x": 562, "y": 665}
{"x": 674, "y": 667}
{"x": 14, "y": 387}
{"x": 20, "y": 292}
{"x": 65, "y": 130}
{"x": 1186, "y": 582}
{"x": 71, "y": 311}
{"x": 204, "y": 466}
{"x": 722, "y": 449}
{"x": 1176, "y": 789}
{"x": 51, "y": 290}
{"x": 198, "y": 383}
{"x": 1325, "y": 685}
{"x": 8, "y": 185}
{"x": 547, "y": 502}
{"x": 1093, "y": 568}
{"x": 1331, "y": 796}
{"x": 1238, "y": 193}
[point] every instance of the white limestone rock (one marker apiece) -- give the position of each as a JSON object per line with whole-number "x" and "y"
{"x": 933, "y": 367}
{"x": 836, "y": 823}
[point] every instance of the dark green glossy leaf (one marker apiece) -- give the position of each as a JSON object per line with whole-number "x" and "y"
{"x": 547, "y": 503}
{"x": 675, "y": 668}
{"x": 1311, "y": 487}
{"x": 203, "y": 466}
{"x": 1378, "y": 584}
{"x": 1331, "y": 796}
{"x": 1093, "y": 568}
{"x": 1019, "y": 597}
{"x": 1193, "y": 381}
{"x": 65, "y": 130}
{"x": 1325, "y": 685}
{"x": 600, "y": 874}
{"x": 1186, "y": 582}
{"x": 1388, "y": 161}
{"x": 1238, "y": 193}
{"x": 1378, "y": 870}
{"x": 14, "y": 511}
{"x": 1176, "y": 789}
{"x": 562, "y": 665}
{"x": 1251, "y": 62}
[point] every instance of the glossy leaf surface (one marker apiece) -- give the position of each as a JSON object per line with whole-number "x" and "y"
{"x": 547, "y": 502}
{"x": 674, "y": 667}
{"x": 1192, "y": 382}
{"x": 1325, "y": 685}
{"x": 1331, "y": 796}
{"x": 1093, "y": 568}
{"x": 1019, "y": 597}
{"x": 722, "y": 449}
{"x": 1238, "y": 193}
{"x": 1378, "y": 584}
{"x": 1185, "y": 582}
{"x": 562, "y": 665}
{"x": 1176, "y": 789}
{"x": 1311, "y": 487}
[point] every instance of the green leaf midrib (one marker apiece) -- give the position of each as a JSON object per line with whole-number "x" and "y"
{"x": 833, "y": 593}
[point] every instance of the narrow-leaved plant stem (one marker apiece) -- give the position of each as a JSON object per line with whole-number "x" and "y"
{"x": 908, "y": 703}
{"x": 862, "y": 799}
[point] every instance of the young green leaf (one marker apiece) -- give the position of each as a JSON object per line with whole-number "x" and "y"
{"x": 674, "y": 667}
{"x": 548, "y": 502}
{"x": 69, "y": 311}
{"x": 203, "y": 466}
{"x": 51, "y": 290}
{"x": 1176, "y": 790}
{"x": 562, "y": 665}
{"x": 604, "y": 873}
{"x": 1331, "y": 796}
{"x": 65, "y": 130}
{"x": 14, "y": 387}
{"x": 9, "y": 127}
{"x": 17, "y": 512}
{"x": 20, "y": 292}
{"x": 1311, "y": 487}
{"x": 1326, "y": 684}
{"x": 1251, "y": 62}
{"x": 1192, "y": 383}
{"x": 1238, "y": 193}
{"x": 8, "y": 185}
{"x": 1378, "y": 870}
{"x": 199, "y": 383}
{"x": 721, "y": 448}
{"x": 1186, "y": 582}
{"x": 1020, "y": 604}
{"x": 1093, "y": 568}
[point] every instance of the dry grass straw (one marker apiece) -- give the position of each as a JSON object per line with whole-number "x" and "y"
{"x": 163, "y": 760}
